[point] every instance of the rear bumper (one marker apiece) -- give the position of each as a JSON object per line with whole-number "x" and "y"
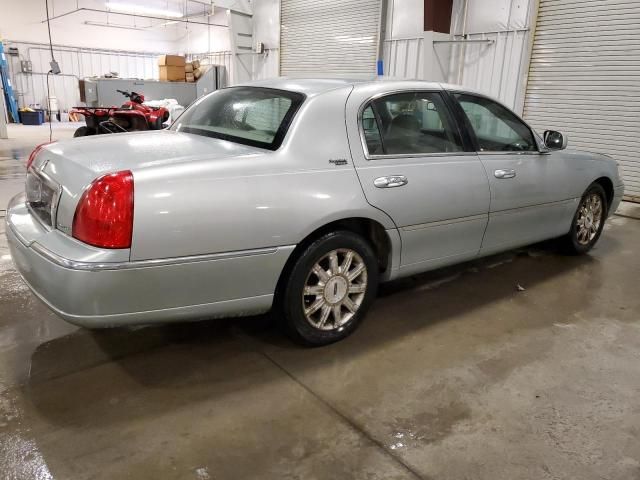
{"x": 103, "y": 294}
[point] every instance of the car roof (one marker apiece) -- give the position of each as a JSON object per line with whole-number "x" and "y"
{"x": 315, "y": 86}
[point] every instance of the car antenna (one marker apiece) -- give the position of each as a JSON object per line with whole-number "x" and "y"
{"x": 55, "y": 69}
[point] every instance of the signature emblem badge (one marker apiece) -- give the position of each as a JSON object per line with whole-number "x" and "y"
{"x": 338, "y": 161}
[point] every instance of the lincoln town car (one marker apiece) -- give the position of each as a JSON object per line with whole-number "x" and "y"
{"x": 296, "y": 196}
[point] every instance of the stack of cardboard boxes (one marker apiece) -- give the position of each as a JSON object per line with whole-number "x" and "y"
{"x": 189, "y": 76}
{"x": 198, "y": 69}
{"x": 173, "y": 68}
{"x": 195, "y": 70}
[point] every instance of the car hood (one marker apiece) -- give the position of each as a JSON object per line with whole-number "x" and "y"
{"x": 102, "y": 154}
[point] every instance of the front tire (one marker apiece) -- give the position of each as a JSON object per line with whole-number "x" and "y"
{"x": 588, "y": 221}
{"x": 330, "y": 288}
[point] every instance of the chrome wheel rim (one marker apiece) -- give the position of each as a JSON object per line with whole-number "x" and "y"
{"x": 334, "y": 289}
{"x": 589, "y": 219}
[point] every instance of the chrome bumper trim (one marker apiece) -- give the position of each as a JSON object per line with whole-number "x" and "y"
{"x": 14, "y": 230}
{"x": 160, "y": 262}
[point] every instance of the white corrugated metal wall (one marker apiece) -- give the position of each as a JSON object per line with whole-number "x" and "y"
{"x": 494, "y": 55}
{"x": 331, "y": 37}
{"x": 75, "y": 63}
{"x": 584, "y": 78}
{"x": 498, "y": 38}
{"x": 403, "y": 46}
{"x": 493, "y": 67}
{"x": 404, "y": 57}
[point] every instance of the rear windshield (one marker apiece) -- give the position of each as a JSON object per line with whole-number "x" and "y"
{"x": 252, "y": 116}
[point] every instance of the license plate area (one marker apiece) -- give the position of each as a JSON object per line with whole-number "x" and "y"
{"x": 42, "y": 196}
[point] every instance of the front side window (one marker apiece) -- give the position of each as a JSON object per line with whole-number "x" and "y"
{"x": 496, "y": 128}
{"x": 410, "y": 123}
{"x": 249, "y": 115}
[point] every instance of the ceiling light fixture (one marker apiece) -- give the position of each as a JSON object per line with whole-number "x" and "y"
{"x": 133, "y": 8}
{"x": 111, "y": 25}
{"x": 164, "y": 24}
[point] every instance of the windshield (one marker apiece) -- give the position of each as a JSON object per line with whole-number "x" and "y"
{"x": 252, "y": 116}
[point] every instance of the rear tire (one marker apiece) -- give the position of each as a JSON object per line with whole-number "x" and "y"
{"x": 329, "y": 289}
{"x": 82, "y": 132}
{"x": 588, "y": 221}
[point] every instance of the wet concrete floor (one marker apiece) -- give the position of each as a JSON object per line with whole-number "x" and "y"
{"x": 455, "y": 374}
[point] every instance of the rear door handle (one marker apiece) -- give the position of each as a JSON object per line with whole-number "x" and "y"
{"x": 391, "y": 181}
{"x": 506, "y": 173}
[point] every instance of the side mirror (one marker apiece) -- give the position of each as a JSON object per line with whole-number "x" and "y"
{"x": 555, "y": 140}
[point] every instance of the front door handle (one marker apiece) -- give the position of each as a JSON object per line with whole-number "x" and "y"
{"x": 391, "y": 181}
{"x": 507, "y": 173}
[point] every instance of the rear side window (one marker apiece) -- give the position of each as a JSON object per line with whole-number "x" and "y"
{"x": 371, "y": 131}
{"x": 496, "y": 128}
{"x": 409, "y": 123}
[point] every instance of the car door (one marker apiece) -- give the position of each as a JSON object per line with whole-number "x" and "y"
{"x": 412, "y": 164}
{"x": 528, "y": 199}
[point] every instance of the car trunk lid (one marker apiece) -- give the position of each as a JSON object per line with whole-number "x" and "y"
{"x": 63, "y": 170}
{"x": 130, "y": 151}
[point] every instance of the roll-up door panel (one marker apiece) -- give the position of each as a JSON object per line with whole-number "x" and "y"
{"x": 584, "y": 78}
{"x": 329, "y": 37}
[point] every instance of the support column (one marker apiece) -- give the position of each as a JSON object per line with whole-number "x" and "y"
{"x": 241, "y": 40}
{"x": 3, "y": 115}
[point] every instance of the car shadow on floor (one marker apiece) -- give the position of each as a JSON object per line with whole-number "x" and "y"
{"x": 207, "y": 358}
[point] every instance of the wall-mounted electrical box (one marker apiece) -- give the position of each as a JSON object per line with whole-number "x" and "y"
{"x": 26, "y": 66}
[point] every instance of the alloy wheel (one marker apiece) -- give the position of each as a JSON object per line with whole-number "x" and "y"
{"x": 334, "y": 289}
{"x": 589, "y": 218}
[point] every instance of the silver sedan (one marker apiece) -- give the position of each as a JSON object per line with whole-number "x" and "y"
{"x": 298, "y": 196}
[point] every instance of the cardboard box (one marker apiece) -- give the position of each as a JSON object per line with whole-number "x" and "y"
{"x": 188, "y": 68}
{"x": 198, "y": 72}
{"x": 171, "y": 60}
{"x": 190, "y": 77}
{"x": 171, "y": 73}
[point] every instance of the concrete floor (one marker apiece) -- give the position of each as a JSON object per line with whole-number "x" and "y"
{"x": 455, "y": 374}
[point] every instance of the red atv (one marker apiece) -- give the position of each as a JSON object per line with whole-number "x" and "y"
{"x": 133, "y": 116}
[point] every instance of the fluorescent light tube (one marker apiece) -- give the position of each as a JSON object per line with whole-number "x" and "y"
{"x": 111, "y": 25}
{"x": 141, "y": 9}
{"x": 170, "y": 22}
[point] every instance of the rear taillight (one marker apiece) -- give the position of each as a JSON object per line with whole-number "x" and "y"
{"x": 104, "y": 215}
{"x": 35, "y": 152}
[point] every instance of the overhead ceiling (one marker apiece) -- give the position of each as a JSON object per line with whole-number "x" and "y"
{"x": 168, "y": 8}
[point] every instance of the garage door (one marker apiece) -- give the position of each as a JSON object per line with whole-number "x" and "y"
{"x": 584, "y": 78}
{"x": 329, "y": 37}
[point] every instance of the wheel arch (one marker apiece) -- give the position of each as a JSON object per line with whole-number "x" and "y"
{"x": 607, "y": 185}
{"x": 370, "y": 229}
